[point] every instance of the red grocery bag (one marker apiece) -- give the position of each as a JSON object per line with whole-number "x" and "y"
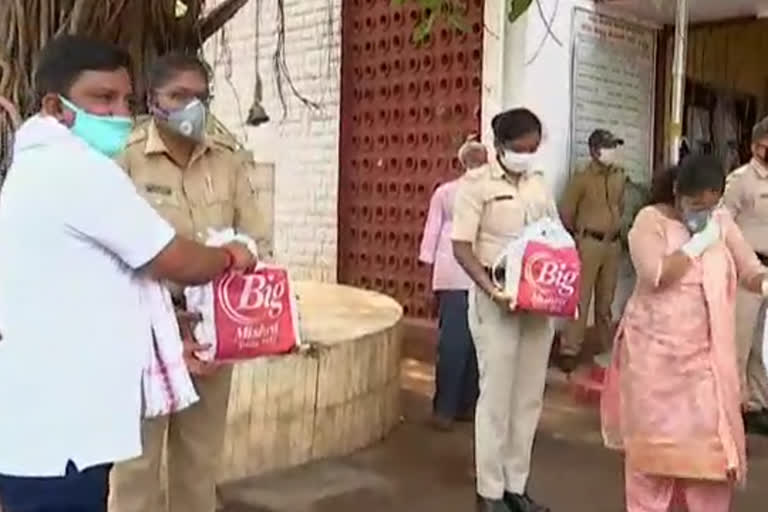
{"x": 549, "y": 282}
{"x": 542, "y": 270}
{"x": 247, "y": 315}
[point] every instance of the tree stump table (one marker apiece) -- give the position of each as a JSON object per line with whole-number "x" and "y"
{"x": 340, "y": 395}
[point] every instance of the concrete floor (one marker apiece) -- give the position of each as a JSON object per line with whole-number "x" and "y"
{"x": 418, "y": 469}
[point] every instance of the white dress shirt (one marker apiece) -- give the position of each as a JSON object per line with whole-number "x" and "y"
{"x": 73, "y": 230}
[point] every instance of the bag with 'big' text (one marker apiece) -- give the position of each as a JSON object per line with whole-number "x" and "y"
{"x": 542, "y": 270}
{"x": 246, "y": 315}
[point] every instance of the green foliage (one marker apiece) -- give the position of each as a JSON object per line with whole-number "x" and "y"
{"x": 435, "y": 10}
{"x": 452, "y": 12}
{"x": 517, "y": 8}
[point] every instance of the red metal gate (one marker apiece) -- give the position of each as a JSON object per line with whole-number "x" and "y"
{"x": 405, "y": 110}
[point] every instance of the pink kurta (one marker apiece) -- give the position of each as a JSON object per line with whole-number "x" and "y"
{"x": 671, "y": 399}
{"x": 436, "y": 246}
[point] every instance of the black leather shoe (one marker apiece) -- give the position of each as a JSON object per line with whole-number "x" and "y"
{"x": 486, "y": 505}
{"x": 441, "y": 423}
{"x": 756, "y": 422}
{"x": 567, "y": 364}
{"x": 523, "y": 503}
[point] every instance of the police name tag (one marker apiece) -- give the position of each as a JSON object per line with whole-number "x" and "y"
{"x": 159, "y": 189}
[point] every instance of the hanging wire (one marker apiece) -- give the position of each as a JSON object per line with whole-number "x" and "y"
{"x": 226, "y": 58}
{"x": 326, "y": 69}
{"x": 257, "y": 115}
{"x": 256, "y": 38}
{"x": 548, "y": 23}
{"x": 282, "y": 73}
{"x": 548, "y": 34}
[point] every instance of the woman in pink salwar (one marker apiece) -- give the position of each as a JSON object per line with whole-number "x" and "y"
{"x": 671, "y": 400}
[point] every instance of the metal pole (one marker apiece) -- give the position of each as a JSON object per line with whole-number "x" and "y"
{"x": 678, "y": 77}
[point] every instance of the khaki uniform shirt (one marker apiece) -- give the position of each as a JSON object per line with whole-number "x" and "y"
{"x": 746, "y": 196}
{"x": 216, "y": 190}
{"x": 594, "y": 200}
{"x": 491, "y": 209}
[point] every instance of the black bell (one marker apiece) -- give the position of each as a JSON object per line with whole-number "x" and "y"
{"x": 257, "y": 115}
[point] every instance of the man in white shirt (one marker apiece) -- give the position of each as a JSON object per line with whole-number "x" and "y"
{"x": 74, "y": 235}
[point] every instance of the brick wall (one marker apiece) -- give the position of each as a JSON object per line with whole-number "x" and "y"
{"x": 303, "y": 145}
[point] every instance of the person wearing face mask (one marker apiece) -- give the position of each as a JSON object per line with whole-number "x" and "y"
{"x": 493, "y": 205}
{"x": 671, "y": 400}
{"x": 746, "y": 196}
{"x": 591, "y": 209}
{"x": 196, "y": 181}
{"x": 77, "y": 241}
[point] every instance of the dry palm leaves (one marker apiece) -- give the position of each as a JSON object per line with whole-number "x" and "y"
{"x": 144, "y": 27}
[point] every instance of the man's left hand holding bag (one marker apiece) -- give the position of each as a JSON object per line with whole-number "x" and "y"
{"x": 196, "y": 366}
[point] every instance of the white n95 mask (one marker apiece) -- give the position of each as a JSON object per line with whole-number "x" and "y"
{"x": 520, "y": 163}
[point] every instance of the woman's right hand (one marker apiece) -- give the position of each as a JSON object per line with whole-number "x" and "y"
{"x": 703, "y": 240}
{"x": 503, "y": 299}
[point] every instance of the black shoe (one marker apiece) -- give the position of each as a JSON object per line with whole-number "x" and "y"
{"x": 567, "y": 363}
{"x": 487, "y": 505}
{"x": 756, "y": 422}
{"x": 441, "y": 423}
{"x": 523, "y": 503}
{"x": 467, "y": 416}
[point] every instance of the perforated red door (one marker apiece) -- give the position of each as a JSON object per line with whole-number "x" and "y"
{"x": 405, "y": 111}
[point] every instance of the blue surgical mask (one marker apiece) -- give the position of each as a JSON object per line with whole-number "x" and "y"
{"x": 696, "y": 220}
{"x": 106, "y": 134}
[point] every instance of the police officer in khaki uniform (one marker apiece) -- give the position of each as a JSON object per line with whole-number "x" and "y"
{"x": 196, "y": 182}
{"x": 493, "y": 204}
{"x": 591, "y": 209}
{"x": 746, "y": 196}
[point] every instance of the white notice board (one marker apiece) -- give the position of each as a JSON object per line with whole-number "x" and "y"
{"x": 612, "y": 87}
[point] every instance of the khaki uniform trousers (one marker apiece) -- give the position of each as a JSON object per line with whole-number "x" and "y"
{"x": 193, "y": 440}
{"x": 750, "y": 318}
{"x": 599, "y": 274}
{"x": 513, "y": 354}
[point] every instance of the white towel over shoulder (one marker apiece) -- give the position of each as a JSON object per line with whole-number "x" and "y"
{"x": 166, "y": 382}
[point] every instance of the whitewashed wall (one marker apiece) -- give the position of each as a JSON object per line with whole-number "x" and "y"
{"x": 303, "y": 146}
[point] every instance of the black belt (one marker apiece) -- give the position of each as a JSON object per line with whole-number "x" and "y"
{"x": 762, "y": 257}
{"x": 499, "y": 276}
{"x": 600, "y": 237}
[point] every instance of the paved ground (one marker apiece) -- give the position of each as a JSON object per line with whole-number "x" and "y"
{"x": 417, "y": 469}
